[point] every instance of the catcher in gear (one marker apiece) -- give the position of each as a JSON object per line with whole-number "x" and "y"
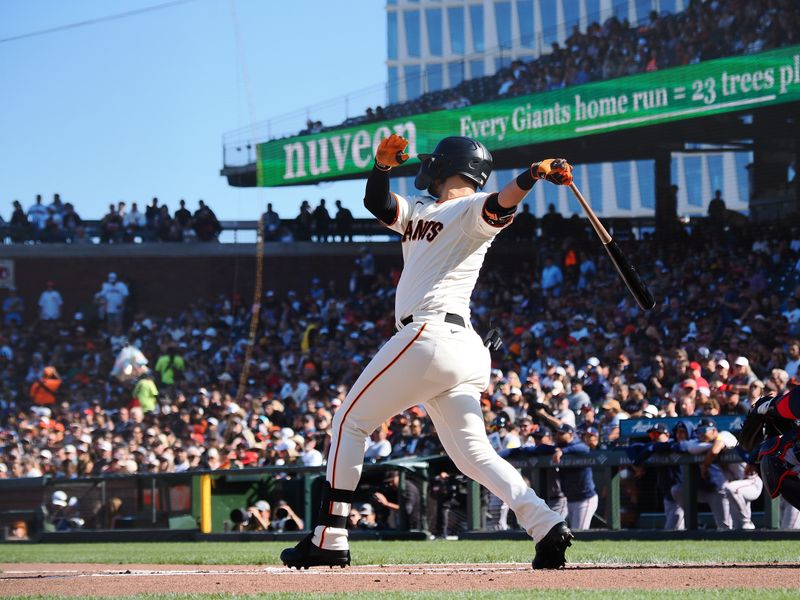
{"x": 436, "y": 358}
{"x": 771, "y": 428}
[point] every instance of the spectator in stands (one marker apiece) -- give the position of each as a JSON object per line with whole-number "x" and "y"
{"x": 552, "y": 278}
{"x": 134, "y": 223}
{"x": 272, "y": 224}
{"x": 206, "y": 226}
{"x": 44, "y": 389}
{"x": 19, "y": 224}
{"x": 13, "y": 308}
{"x": 111, "y": 299}
{"x": 344, "y": 222}
{"x": 183, "y": 216}
{"x": 37, "y": 216}
{"x": 304, "y": 223}
{"x": 151, "y": 214}
{"x": 322, "y": 221}
{"x": 111, "y": 226}
{"x": 50, "y": 303}
{"x": 170, "y": 366}
{"x": 71, "y": 222}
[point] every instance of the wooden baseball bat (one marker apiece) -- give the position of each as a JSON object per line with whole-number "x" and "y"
{"x": 638, "y": 288}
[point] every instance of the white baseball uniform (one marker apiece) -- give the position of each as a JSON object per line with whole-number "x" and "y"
{"x": 432, "y": 361}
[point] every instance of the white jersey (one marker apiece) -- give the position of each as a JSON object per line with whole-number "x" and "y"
{"x": 444, "y": 244}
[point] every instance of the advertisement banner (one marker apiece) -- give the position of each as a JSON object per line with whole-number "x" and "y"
{"x": 707, "y": 88}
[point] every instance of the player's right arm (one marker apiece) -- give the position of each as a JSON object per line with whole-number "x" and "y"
{"x": 392, "y": 210}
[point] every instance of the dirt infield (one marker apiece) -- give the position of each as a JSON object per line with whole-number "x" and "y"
{"x": 84, "y": 580}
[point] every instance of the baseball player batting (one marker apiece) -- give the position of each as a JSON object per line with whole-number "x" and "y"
{"x": 435, "y": 358}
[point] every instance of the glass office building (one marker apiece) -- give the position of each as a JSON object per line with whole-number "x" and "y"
{"x": 436, "y": 44}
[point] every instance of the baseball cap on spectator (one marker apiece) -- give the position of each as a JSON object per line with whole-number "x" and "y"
{"x": 639, "y": 387}
{"x": 558, "y": 388}
{"x": 515, "y": 390}
{"x": 497, "y": 373}
{"x": 287, "y": 445}
{"x": 689, "y": 383}
{"x": 695, "y": 366}
{"x": 59, "y": 498}
{"x": 225, "y": 377}
{"x": 593, "y": 362}
{"x": 104, "y": 446}
{"x": 46, "y": 454}
{"x": 112, "y": 277}
{"x": 366, "y": 509}
{"x": 612, "y": 404}
{"x": 658, "y": 427}
{"x": 741, "y": 361}
{"x": 561, "y": 371}
{"x": 723, "y": 363}
{"x": 757, "y": 383}
{"x": 566, "y": 428}
{"x": 704, "y": 352}
{"x": 542, "y": 432}
{"x": 650, "y": 411}
{"x": 704, "y": 425}
{"x": 262, "y": 505}
{"x": 591, "y": 430}
{"x": 336, "y": 402}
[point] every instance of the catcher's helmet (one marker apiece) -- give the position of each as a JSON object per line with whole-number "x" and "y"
{"x": 454, "y": 156}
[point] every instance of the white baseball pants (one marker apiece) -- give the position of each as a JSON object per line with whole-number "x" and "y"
{"x": 741, "y": 493}
{"x": 445, "y": 368}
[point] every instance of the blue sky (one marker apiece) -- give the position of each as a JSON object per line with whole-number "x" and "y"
{"x": 136, "y": 107}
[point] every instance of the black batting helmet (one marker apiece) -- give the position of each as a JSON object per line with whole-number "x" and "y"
{"x": 454, "y": 155}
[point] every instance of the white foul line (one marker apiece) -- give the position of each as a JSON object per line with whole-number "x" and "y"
{"x": 675, "y": 113}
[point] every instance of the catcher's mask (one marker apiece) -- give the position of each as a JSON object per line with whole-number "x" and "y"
{"x": 454, "y": 155}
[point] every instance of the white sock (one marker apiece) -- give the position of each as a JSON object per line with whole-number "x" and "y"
{"x": 330, "y": 538}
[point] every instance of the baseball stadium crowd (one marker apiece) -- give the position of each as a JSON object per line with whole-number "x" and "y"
{"x": 578, "y": 357}
{"x": 703, "y": 31}
{"x": 59, "y": 222}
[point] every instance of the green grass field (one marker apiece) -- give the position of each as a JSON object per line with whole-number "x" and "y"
{"x": 376, "y": 553}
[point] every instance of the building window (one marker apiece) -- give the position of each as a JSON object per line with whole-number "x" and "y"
{"x": 455, "y": 72}
{"x": 743, "y": 175}
{"x": 502, "y": 18}
{"x": 572, "y": 15}
{"x": 643, "y": 8}
{"x": 433, "y": 19}
{"x": 455, "y": 19}
{"x": 502, "y": 61}
{"x": 393, "y": 92}
{"x": 716, "y": 174}
{"x": 391, "y": 36}
{"x": 411, "y": 20}
{"x": 413, "y": 77}
{"x": 595, "y": 177}
{"x": 645, "y": 169}
{"x": 693, "y": 175}
{"x": 476, "y": 16}
{"x": 434, "y": 77}
{"x": 476, "y": 68}
{"x": 667, "y": 6}
{"x": 525, "y": 16}
{"x": 593, "y": 11}
{"x": 549, "y": 23}
{"x": 622, "y": 181}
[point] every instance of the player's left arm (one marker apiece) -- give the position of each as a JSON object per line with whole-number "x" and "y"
{"x": 498, "y": 209}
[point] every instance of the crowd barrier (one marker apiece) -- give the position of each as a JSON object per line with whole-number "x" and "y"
{"x": 203, "y": 500}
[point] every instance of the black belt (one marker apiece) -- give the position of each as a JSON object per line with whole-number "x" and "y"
{"x": 448, "y": 318}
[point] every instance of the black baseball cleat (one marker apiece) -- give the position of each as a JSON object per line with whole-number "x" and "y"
{"x": 305, "y": 554}
{"x": 551, "y": 548}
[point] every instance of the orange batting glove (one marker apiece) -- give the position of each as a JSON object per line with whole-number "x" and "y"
{"x": 554, "y": 170}
{"x": 390, "y": 152}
